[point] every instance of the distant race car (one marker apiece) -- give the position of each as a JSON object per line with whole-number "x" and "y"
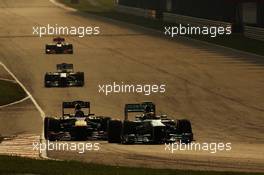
{"x": 148, "y": 128}
{"x": 64, "y": 77}
{"x": 77, "y": 125}
{"x": 59, "y": 46}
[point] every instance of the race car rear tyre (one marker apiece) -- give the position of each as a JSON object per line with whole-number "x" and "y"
{"x": 129, "y": 127}
{"x": 71, "y": 48}
{"x": 114, "y": 129}
{"x": 46, "y": 84}
{"x": 81, "y": 76}
{"x": 104, "y": 123}
{"x": 50, "y": 125}
{"x": 185, "y": 127}
{"x": 80, "y": 79}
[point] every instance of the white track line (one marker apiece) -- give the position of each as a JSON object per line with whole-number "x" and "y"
{"x": 14, "y": 103}
{"x": 62, "y": 6}
{"x": 42, "y": 113}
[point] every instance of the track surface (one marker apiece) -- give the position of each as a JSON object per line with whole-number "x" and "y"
{"x": 219, "y": 90}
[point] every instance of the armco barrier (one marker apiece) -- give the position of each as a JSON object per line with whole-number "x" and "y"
{"x": 135, "y": 11}
{"x": 254, "y": 32}
{"x": 193, "y": 21}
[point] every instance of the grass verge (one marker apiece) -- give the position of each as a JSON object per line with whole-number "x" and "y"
{"x": 17, "y": 165}
{"x": 10, "y": 92}
{"x": 105, "y": 8}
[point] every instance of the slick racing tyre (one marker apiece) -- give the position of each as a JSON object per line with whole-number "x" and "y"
{"x": 114, "y": 131}
{"x": 129, "y": 128}
{"x": 184, "y": 128}
{"x": 51, "y": 126}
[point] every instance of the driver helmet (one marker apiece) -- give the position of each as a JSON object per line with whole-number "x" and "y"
{"x": 78, "y": 107}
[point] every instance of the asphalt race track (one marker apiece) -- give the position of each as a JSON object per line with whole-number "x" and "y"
{"x": 219, "y": 90}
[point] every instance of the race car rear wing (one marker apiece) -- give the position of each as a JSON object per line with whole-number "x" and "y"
{"x": 72, "y": 105}
{"x": 144, "y": 107}
{"x": 65, "y": 67}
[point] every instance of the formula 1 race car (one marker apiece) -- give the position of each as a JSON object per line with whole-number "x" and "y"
{"x": 64, "y": 77}
{"x": 80, "y": 125}
{"x": 59, "y": 46}
{"x": 148, "y": 128}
